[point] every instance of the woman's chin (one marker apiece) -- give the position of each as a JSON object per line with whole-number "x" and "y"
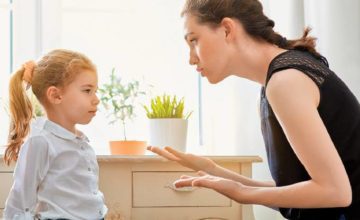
{"x": 213, "y": 80}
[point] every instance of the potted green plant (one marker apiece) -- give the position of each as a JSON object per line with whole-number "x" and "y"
{"x": 119, "y": 100}
{"x": 168, "y": 122}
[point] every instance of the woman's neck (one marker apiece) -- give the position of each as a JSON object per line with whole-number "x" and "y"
{"x": 256, "y": 58}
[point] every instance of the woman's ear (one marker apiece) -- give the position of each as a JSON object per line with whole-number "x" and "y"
{"x": 229, "y": 26}
{"x": 53, "y": 94}
{"x": 234, "y": 30}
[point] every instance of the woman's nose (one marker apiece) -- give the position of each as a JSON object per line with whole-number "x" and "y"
{"x": 193, "y": 58}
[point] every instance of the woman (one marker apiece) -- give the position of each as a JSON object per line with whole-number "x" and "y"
{"x": 310, "y": 119}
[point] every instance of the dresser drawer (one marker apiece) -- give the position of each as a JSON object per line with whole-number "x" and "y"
{"x": 6, "y": 180}
{"x": 154, "y": 189}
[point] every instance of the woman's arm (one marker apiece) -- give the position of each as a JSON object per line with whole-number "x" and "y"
{"x": 198, "y": 163}
{"x": 294, "y": 99}
{"x": 228, "y": 174}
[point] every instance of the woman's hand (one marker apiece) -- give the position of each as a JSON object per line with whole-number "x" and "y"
{"x": 187, "y": 160}
{"x": 229, "y": 188}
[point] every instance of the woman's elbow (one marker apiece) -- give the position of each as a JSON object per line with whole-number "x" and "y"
{"x": 347, "y": 199}
{"x": 343, "y": 195}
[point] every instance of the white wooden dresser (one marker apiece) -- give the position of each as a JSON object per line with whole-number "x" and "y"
{"x": 140, "y": 188}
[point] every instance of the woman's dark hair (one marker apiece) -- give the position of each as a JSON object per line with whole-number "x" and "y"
{"x": 250, "y": 14}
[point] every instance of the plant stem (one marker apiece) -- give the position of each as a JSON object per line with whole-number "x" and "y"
{"x": 124, "y": 130}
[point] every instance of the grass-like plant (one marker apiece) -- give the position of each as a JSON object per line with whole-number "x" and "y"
{"x": 166, "y": 107}
{"x": 119, "y": 99}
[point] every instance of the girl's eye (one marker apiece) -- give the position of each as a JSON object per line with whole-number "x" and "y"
{"x": 87, "y": 90}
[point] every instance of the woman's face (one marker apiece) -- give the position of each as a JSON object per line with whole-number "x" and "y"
{"x": 208, "y": 49}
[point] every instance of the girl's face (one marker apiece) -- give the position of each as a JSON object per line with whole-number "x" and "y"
{"x": 208, "y": 49}
{"x": 79, "y": 99}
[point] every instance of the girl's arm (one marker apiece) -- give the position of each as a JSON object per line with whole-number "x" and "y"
{"x": 294, "y": 99}
{"x": 198, "y": 163}
{"x": 30, "y": 170}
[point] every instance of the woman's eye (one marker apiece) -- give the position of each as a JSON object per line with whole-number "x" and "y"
{"x": 87, "y": 90}
{"x": 192, "y": 41}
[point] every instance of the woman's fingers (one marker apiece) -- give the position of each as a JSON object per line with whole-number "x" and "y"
{"x": 188, "y": 160}
{"x": 221, "y": 185}
{"x": 163, "y": 153}
{"x": 184, "y": 182}
{"x": 185, "y": 177}
{"x": 195, "y": 181}
{"x": 204, "y": 180}
{"x": 201, "y": 173}
{"x": 174, "y": 152}
{"x": 185, "y": 159}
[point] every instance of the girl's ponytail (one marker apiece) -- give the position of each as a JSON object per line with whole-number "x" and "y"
{"x": 21, "y": 111}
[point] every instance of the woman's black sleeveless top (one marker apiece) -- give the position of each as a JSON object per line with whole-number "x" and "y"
{"x": 340, "y": 111}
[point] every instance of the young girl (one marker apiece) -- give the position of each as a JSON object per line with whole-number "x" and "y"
{"x": 310, "y": 119}
{"x": 56, "y": 174}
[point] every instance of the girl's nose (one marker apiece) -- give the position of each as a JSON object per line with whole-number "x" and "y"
{"x": 96, "y": 100}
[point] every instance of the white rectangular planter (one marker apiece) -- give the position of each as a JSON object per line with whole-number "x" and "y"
{"x": 168, "y": 132}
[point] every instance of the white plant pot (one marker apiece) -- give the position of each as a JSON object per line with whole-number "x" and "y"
{"x": 170, "y": 132}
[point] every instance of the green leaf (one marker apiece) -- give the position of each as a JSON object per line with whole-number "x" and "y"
{"x": 166, "y": 106}
{"x": 119, "y": 98}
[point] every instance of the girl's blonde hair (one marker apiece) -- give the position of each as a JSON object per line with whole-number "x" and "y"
{"x": 57, "y": 68}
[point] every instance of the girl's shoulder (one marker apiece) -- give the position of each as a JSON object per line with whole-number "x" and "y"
{"x": 36, "y": 142}
{"x": 39, "y": 140}
{"x": 36, "y": 147}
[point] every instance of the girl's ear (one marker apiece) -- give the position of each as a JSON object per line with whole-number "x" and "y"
{"x": 53, "y": 94}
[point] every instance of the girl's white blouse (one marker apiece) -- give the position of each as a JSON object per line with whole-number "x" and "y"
{"x": 56, "y": 176}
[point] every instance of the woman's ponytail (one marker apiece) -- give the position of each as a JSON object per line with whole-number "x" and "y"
{"x": 305, "y": 43}
{"x": 21, "y": 112}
